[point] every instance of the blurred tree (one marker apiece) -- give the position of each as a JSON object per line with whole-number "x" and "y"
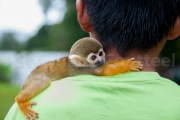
{"x": 46, "y": 5}
{"x": 60, "y": 36}
{"x": 8, "y": 42}
{"x": 172, "y": 51}
{"x": 5, "y": 73}
{"x": 66, "y": 33}
{"x": 50, "y": 5}
{"x": 172, "y": 46}
{"x": 40, "y": 40}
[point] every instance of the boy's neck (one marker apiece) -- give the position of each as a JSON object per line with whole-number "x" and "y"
{"x": 148, "y": 58}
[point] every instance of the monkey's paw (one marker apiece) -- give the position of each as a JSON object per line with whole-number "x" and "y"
{"x": 26, "y": 108}
{"x": 135, "y": 65}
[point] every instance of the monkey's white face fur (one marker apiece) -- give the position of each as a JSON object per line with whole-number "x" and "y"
{"x": 92, "y": 60}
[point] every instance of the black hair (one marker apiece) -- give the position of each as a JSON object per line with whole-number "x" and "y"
{"x": 128, "y": 24}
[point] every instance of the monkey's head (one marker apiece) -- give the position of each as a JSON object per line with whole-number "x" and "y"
{"x": 87, "y": 52}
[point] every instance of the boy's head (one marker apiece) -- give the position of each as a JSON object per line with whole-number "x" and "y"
{"x": 129, "y": 24}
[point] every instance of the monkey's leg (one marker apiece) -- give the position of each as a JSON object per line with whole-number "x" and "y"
{"x": 117, "y": 67}
{"x": 33, "y": 85}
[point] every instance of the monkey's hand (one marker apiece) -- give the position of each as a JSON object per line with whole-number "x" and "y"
{"x": 35, "y": 83}
{"x": 134, "y": 65}
{"x": 25, "y": 108}
{"x": 117, "y": 67}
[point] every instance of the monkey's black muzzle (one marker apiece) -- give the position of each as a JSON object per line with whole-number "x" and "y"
{"x": 99, "y": 63}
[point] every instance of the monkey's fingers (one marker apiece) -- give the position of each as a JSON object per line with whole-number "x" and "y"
{"x": 33, "y": 103}
{"x": 25, "y": 107}
{"x": 31, "y": 115}
{"x": 131, "y": 59}
{"x": 135, "y": 66}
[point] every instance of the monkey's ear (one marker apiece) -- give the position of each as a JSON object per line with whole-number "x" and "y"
{"x": 77, "y": 60}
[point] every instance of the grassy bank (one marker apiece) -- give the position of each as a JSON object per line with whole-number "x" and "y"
{"x": 7, "y": 95}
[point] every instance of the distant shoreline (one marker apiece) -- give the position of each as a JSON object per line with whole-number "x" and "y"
{"x": 23, "y": 63}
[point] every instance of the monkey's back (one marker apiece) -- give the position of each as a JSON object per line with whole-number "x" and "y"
{"x": 61, "y": 68}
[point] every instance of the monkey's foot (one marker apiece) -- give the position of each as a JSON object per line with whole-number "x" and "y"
{"x": 27, "y": 111}
{"x": 135, "y": 65}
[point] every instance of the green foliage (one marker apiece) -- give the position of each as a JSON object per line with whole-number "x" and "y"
{"x": 40, "y": 40}
{"x": 5, "y": 73}
{"x": 9, "y": 42}
{"x": 69, "y": 31}
{"x": 60, "y": 36}
{"x": 7, "y": 95}
{"x": 46, "y": 5}
{"x": 172, "y": 46}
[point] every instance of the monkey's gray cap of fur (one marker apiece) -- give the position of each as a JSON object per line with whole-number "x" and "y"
{"x": 85, "y": 46}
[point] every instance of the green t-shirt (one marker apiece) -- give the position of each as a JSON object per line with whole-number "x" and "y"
{"x": 129, "y": 96}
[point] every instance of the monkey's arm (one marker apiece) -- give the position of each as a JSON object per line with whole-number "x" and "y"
{"x": 33, "y": 85}
{"x": 117, "y": 67}
{"x": 38, "y": 80}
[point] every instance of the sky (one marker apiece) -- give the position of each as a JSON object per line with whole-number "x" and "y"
{"x": 25, "y": 16}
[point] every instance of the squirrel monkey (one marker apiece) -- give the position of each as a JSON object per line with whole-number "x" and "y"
{"x": 86, "y": 57}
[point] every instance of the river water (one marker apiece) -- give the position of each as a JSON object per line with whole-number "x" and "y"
{"x": 24, "y": 62}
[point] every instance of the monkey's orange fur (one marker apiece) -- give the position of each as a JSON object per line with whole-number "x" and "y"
{"x": 117, "y": 67}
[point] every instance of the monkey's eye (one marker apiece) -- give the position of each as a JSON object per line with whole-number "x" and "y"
{"x": 100, "y": 53}
{"x": 93, "y": 57}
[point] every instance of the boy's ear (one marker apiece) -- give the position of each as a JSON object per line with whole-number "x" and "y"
{"x": 82, "y": 16}
{"x": 175, "y": 32}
